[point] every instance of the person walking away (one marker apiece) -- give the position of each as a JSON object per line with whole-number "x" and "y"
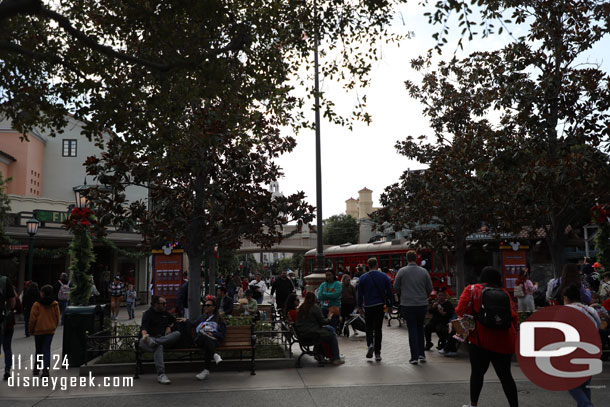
{"x": 282, "y": 288}
{"x": 311, "y": 325}
{"x": 329, "y": 295}
{"x": 211, "y": 331}
{"x": 30, "y": 296}
{"x": 258, "y": 288}
{"x": 157, "y": 334}
{"x": 130, "y": 298}
{"x": 44, "y": 319}
{"x": 374, "y": 289}
{"x": 116, "y": 295}
{"x": 348, "y": 303}
{"x": 493, "y": 339}
{"x": 525, "y": 288}
{"x": 62, "y": 293}
{"x": 571, "y": 298}
{"x": 8, "y": 299}
{"x": 442, "y": 312}
{"x": 413, "y": 286}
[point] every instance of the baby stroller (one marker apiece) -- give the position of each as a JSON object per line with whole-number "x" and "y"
{"x": 356, "y": 321}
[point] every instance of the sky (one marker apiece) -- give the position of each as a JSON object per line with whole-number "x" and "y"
{"x": 366, "y": 156}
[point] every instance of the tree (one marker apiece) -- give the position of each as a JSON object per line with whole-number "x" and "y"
{"x": 339, "y": 229}
{"x": 228, "y": 261}
{"x": 297, "y": 262}
{"x": 553, "y": 109}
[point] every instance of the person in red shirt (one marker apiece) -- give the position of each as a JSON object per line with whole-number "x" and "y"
{"x": 488, "y": 345}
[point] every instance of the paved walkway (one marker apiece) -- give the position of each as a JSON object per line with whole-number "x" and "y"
{"x": 360, "y": 382}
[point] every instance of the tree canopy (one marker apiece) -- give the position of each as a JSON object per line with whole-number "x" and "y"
{"x": 339, "y": 229}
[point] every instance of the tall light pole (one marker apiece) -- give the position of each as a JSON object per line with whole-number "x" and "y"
{"x": 32, "y": 227}
{"x": 320, "y": 262}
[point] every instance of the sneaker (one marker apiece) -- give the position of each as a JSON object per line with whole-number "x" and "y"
{"x": 339, "y": 361}
{"x": 413, "y": 361}
{"x": 378, "y": 357}
{"x": 217, "y": 358}
{"x": 163, "y": 379}
{"x": 442, "y": 351}
{"x": 369, "y": 353}
{"x": 150, "y": 341}
{"x": 422, "y": 359}
{"x": 451, "y": 354}
{"x": 203, "y": 375}
{"x": 7, "y": 374}
{"x": 428, "y": 347}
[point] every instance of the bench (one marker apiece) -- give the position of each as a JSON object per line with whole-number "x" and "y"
{"x": 308, "y": 347}
{"x": 238, "y": 338}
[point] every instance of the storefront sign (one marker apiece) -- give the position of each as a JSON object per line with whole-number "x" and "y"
{"x": 51, "y": 216}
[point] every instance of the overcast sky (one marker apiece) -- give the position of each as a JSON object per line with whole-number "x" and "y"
{"x": 366, "y": 157}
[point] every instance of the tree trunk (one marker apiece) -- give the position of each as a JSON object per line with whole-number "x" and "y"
{"x": 556, "y": 248}
{"x": 212, "y": 263}
{"x": 194, "y": 291}
{"x": 460, "y": 268}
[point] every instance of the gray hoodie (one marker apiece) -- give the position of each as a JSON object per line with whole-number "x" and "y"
{"x": 413, "y": 285}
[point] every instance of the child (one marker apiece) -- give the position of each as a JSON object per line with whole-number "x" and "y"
{"x": 44, "y": 319}
{"x": 131, "y": 301}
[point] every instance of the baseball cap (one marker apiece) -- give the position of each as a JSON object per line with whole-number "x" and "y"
{"x": 597, "y": 265}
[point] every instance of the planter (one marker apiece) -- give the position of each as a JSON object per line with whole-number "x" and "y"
{"x": 78, "y": 320}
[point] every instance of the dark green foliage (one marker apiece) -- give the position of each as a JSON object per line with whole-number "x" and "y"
{"x": 5, "y": 208}
{"x": 339, "y": 229}
{"x": 81, "y": 258}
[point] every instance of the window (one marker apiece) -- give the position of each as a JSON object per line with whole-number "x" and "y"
{"x": 69, "y": 148}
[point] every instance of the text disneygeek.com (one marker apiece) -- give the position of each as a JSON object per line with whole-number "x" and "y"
{"x": 63, "y": 383}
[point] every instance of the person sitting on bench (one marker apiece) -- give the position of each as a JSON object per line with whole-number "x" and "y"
{"x": 312, "y": 326}
{"x": 211, "y": 331}
{"x": 442, "y": 312}
{"x": 157, "y": 333}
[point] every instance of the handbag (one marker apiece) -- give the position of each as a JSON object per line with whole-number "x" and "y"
{"x": 518, "y": 291}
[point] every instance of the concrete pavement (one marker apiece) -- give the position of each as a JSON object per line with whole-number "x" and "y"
{"x": 360, "y": 382}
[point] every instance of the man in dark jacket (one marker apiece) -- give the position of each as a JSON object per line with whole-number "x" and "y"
{"x": 157, "y": 333}
{"x": 282, "y": 288}
{"x": 225, "y": 303}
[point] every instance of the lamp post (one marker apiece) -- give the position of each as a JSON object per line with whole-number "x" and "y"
{"x": 32, "y": 227}
{"x": 79, "y": 195}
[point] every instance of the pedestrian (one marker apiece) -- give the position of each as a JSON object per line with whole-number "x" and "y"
{"x": 374, "y": 290}
{"x": 61, "y": 289}
{"x": 442, "y": 312}
{"x": 570, "y": 276}
{"x": 572, "y": 298}
{"x": 30, "y": 295}
{"x": 8, "y": 300}
{"x": 183, "y": 299}
{"x": 44, "y": 319}
{"x": 329, "y": 295}
{"x": 413, "y": 285}
{"x": 258, "y": 288}
{"x": 211, "y": 330}
{"x": 348, "y": 303}
{"x": 116, "y": 295}
{"x": 524, "y": 292}
{"x": 604, "y": 289}
{"x": 490, "y": 344}
{"x": 130, "y": 299}
{"x": 282, "y": 288}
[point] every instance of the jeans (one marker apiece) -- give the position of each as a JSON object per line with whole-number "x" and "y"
{"x": 479, "y": 363}
{"x": 43, "y": 347}
{"x": 157, "y": 349}
{"x": 414, "y": 316}
{"x": 582, "y": 394}
{"x": 440, "y": 328}
{"x": 5, "y": 339}
{"x": 260, "y": 300}
{"x": 131, "y": 308}
{"x": 373, "y": 317}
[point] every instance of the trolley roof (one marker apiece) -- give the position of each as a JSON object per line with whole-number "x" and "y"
{"x": 367, "y": 247}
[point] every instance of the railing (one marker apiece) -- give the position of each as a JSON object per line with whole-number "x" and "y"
{"x": 108, "y": 341}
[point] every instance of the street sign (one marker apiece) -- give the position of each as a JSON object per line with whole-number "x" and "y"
{"x": 18, "y": 247}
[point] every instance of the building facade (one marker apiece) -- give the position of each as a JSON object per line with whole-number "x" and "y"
{"x": 361, "y": 210}
{"x": 44, "y": 171}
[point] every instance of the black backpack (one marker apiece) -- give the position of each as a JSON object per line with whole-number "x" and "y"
{"x": 495, "y": 312}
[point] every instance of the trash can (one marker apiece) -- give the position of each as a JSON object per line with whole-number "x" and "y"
{"x": 78, "y": 320}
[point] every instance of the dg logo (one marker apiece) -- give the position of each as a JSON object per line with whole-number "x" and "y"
{"x": 559, "y": 348}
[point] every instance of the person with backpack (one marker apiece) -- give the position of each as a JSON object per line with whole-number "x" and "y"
{"x": 524, "y": 292}
{"x": 44, "y": 319}
{"x": 493, "y": 339}
{"x": 8, "y": 299}
{"x": 61, "y": 289}
{"x": 30, "y": 295}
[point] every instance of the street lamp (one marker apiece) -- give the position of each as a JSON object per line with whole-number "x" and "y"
{"x": 32, "y": 227}
{"x": 79, "y": 195}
